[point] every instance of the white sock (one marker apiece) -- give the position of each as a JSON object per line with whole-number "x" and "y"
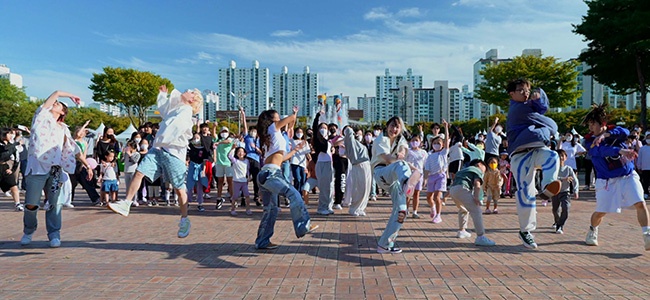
{"x": 415, "y": 212}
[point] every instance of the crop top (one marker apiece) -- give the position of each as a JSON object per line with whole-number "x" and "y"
{"x": 278, "y": 143}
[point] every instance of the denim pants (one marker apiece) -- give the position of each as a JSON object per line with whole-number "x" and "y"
{"x": 524, "y": 166}
{"x": 392, "y": 178}
{"x": 272, "y": 184}
{"x": 299, "y": 176}
{"x": 35, "y": 184}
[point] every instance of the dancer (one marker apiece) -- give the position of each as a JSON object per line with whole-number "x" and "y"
{"x": 169, "y": 151}
{"x": 358, "y": 183}
{"x": 253, "y": 152}
{"x": 416, "y": 157}
{"x": 393, "y": 174}
{"x": 435, "y": 171}
{"x": 272, "y": 182}
{"x": 465, "y": 191}
{"x": 324, "y": 168}
{"x": 197, "y": 170}
{"x": 493, "y": 140}
{"x": 51, "y": 152}
{"x": 222, "y": 166}
{"x": 240, "y": 167}
{"x": 617, "y": 184}
{"x": 9, "y": 163}
{"x": 529, "y": 133}
{"x": 569, "y": 187}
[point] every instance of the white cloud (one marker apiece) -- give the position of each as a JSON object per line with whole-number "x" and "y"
{"x": 378, "y": 13}
{"x": 286, "y": 33}
{"x": 410, "y": 12}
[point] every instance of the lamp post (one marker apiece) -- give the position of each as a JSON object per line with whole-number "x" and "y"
{"x": 239, "y": 98}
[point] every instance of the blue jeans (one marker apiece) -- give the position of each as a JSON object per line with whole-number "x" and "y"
{"x": 392, "y": 178}
{"x": 272, "y": 184}
{"x": 286, "y": 170}
{"x": 35, "y": 185}
{"x": 299, "y": 177}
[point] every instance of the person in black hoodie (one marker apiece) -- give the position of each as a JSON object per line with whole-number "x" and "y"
{"x": 324, "y": 168}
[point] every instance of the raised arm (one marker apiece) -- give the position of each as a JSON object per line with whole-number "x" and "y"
{"x": 242, "y": 113}
{"x": 288, "y": 120}
{"x": 496, "y": 122}
{"x": 58, "y": 94}
{"x": 445, "y": 142}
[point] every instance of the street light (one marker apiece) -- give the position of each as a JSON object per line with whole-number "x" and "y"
{"x": 240, "y": 98}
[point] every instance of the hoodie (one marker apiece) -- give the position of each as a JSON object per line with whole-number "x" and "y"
{"x": 605, "y": 157}
{"x": 527, "y": 125}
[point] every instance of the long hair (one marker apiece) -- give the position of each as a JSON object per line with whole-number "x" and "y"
{"x": 404, "y": 134}
{"x": 264, "y": 121}
{"x": 112, "y": 137}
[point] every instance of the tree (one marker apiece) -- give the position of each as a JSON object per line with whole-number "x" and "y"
{"x": 135, "y": 90}
{"x": 15, "y": 107}
{"x": 558, "y": 79}
{"x": 618, "y": 32}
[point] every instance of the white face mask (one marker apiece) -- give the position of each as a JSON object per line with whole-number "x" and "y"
{"x": 196, "y": 142}
{"x": 299, "y": 135}
{"x": 368, "y": 138}
{"x": 323, "y": 132}
{"x": 647, "y": 141}
{"x": 437, "y": 147}
{"x": 359, "y": 138}
{"x": 224, "y": 135}
{"x": 568, "y": 137}
{"x": 138, "y": 140}
{"x": 498, "y": 129}
{"x": 377, "y": 132}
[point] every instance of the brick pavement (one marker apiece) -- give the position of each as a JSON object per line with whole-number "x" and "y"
{"x": 106, "y": 256}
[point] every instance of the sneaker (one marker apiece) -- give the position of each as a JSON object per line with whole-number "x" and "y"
{"x": 206, "y": 196}
{"x": 135, "y": 204}
{"x": 544, "y": 203}
{"x": 55, "y": 243}
{"x": 233, "y": 213}
{"x": 68, "y": 205}
{"x": 592, "y": 237}
{"x": 249, "y": 212}
{"x": 26, "y": 239}
{"x": 433, "y": 213}
{"x": 219, "y": 203}
{"x": 554, "y": 226}
{"x": 270, "y": 246}
{"x": 200, "y": 208}
{"x": 528, "y": 239}
{"x": 121, "y": 207}
{"x": 487, "y": 211}
{"x": 312, "y": 228}
{"x": 437, "y": 219}
{"x": 323, "y": 212}
{"x": 463, "y": 234}
{"x": 382, "y": 250}
{"x": 551, "y": 190}
{"x": 484, "y": 241}
{"x": 354, "y": 214}
{"x": 373, "y": 198}
{"x": 98, "y": 203}
{"x": 149, "y": 203}
{"x": 559, "y": 230}
{"x": 411, "y": 182}
{"x": 257, "y": 202}
{"x": 47, "y": 206}
{"x": 176, "y": 203}
{"x": 362, "y": 213}
{"x": 415, "y": 216}
{"x": 20, "y": 207}
{"x": 495, "y": 211}
{"x": 338, "y": 206}
{"x": 646, "y": 239}
{"x": 168, "y": 203}
{"x": 184, "y": 227}
{"x": 286, "y": 203}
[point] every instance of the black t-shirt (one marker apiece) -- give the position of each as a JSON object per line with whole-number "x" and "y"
{"x": 198, "y": 154}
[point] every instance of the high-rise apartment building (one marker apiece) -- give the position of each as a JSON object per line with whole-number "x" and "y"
{"x": 210, "y": 105}
{"x": 388, "y": 95}
{"x": 295, "y": 89}
{"x": 246, "y": 87}
{"x": 15, "y": 79}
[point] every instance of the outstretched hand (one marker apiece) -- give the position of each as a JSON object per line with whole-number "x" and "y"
{"x": 295, "y": 109}
{"x": 163, "y": 89}
{"x": 629, "y": 154}
{"x": 75, "y": 99}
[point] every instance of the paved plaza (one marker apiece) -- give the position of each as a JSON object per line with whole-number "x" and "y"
{"x": 107, "y": 256}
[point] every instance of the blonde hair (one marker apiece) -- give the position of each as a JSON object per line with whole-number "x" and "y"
{"x": 197, "y": 104}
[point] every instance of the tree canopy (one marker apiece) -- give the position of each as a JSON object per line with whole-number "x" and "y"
{"x": 558, "y": 79}
{"x": 618, "y": 36}
{"x": 15, "y": 107}
{"x": 135, "y": 90}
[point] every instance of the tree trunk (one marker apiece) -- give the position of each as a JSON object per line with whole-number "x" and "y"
{"x": 642, "y": 90}
{"x": 129, "y": 113}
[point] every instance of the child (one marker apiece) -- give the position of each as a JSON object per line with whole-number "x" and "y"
{"x": 569, "y": 186}
{"x": 416, "y": 157}
{"x": 311, "y": 182}
{"x": 492, "y": 182}
{"x": 131, "y": 159}
{"x": 617, "y": 184}
{"x": 435, "y": 171}
{"x": 465, "y": 192}
{"x": 529, "y": 133}
{"x": 108, "y": 178}
{"x": 240, "y": 167}
{"x": 198, "y": 157}
{"x": 169, "y": 151}
{"x": 504, "y": 169}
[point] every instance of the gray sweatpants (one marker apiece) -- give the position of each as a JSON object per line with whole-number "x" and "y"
{"x": 325, "y": 177}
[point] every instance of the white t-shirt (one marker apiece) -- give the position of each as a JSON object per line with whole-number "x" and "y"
{"x": 300, "y": 158}
{"x": 108, "y": 171}
{"x": 278, "y": 143}
{"x": 239, "y": 169}
{"x": 437, "y": 162}
{"x": 571, "y": 152}
{"x": 417, "y": 158}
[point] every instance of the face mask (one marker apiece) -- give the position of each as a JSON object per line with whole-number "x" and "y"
{"x": 568, "y": 137}
{"x": 224, "y": 135}
{"x": 647, "y": 142}
{"x": 481, "y": 146}
{"x": 493, "y": 165}
{"x": 415, "y": 144}
{"x": 359, "y": 138}
{"x": 299, "y": 135}
{"x": 332, "y": 131}
{"x": 377, "y": 132}
{"x": 323, "y": 132}
{"x": 498, "y": 129}
{"x": 368, "y": 138}
{"x": 196, "y": 142}
{"x": 341, "y": 151}
{"x": 480, "y": 139}
{"x": 138, "y": 140}
{"x": 254, "y": 134}
{"x": 437, "y": 147}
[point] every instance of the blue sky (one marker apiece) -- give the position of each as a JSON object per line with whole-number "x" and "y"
{"x": 60, "y": 44}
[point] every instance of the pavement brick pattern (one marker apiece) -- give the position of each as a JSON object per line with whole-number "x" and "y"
{"x": 106, "y": 256}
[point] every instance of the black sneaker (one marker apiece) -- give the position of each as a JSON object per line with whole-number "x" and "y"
{"x": 257, "y": 202}
{"x": 219, "y": 203}
{"x": 528, "y": 239}
{"x": 286, "y": 203}
{"x": 201, "y": 208}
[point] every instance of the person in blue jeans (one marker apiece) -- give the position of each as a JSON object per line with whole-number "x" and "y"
{"x": 272, "y": 182}
{"x": 52, "y": 150}
{"x": 393, "y": 174}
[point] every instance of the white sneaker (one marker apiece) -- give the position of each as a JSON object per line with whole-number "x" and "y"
{"x": 646, "y": 238}
{"x": 592, "y": 238}
{"x": 338, "y": 206}
{"x": 8, "y": 194}
{"x": 121, "y": 207}
{"x": 484, "y": 241}
{"x": 184, "y": 227}
{"x": 463, "y": 234}
{"x": 26, "y": 239}
{"x": 20, "y": 207}
{"x": 55, "y": 243}
{"x": 68, "y": 205}
{"x": 135, "y": 203}
{"x": 362, "y": 213}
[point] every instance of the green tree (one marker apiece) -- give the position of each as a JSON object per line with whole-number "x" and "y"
{"x": 558, "y": 79}
{"x": 618, "y": 32}
{"x": 79, "y": 115}
{"x": 135, "y": 90}
{"x": 11, "y": 99}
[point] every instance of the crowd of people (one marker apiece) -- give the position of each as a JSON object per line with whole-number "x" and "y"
{"x": 176, "y": 162}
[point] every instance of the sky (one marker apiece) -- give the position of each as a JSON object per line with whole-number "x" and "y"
{"x": 58, "y": 45}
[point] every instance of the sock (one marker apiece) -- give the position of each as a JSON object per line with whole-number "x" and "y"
{"x": 593, "y": 228}
{"x": 645, "y": 229}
